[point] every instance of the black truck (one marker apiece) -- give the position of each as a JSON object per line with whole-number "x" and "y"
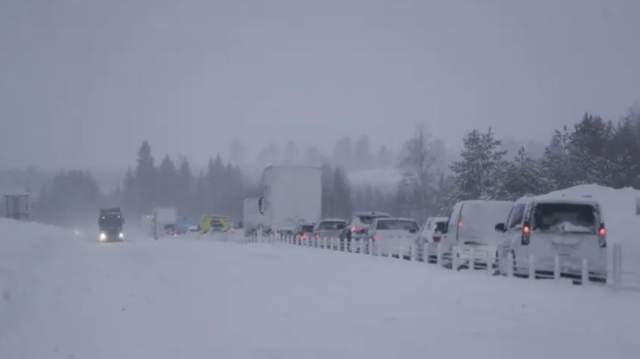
{"x": 111, "y": 223}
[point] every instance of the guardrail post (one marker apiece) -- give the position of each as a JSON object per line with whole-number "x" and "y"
{"x": 585, "y": 272}
{"x": 490, "y": 261}
{"x": 439, "y": 254}
{"x": 454, "y": 258}
{"x": 412, "y": 254}
{"x": 617, "y": 266}
{"x": 556, "y": 268}
{"x": 400, "y": 247}
{"x": 532, "y": 267}
{"x": 510, "y": 265}
{"x": 472, "y": 259}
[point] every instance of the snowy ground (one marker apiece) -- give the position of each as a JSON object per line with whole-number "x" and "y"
{"x": 64, "y": 296}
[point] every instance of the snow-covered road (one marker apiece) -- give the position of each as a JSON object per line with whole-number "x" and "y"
{"x": 65, "y": 297}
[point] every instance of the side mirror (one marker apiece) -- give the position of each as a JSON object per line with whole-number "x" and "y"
{"x": 500, "y": 227}
{"x": 413, "y": 231}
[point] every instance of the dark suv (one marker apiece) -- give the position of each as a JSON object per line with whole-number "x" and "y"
{"x": 357, "y": 227}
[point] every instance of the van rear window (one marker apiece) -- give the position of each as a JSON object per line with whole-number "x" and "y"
{"x": 397, "y": 225}
{"x": 565, "y": 217}
{"x": 331, "y": 226}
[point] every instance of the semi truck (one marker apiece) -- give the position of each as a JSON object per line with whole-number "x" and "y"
{"x": 251, "y": 216}
{"x": 291, "y": 195}
{"x": 111, "y": 223}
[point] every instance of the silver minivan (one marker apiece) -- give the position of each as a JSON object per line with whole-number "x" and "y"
{"x": 540, "y": 229}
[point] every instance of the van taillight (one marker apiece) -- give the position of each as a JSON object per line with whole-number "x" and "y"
{"x": 459, "y": 223}
{"x": 526, "y": 234}
{"x": 602, "y": 233}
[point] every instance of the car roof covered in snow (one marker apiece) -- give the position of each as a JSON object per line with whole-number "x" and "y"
{"x": 372, "y": 213}
{"x": 332, "y": 220}
{"x": 560, "y": 198}
{"x": 396, "y": 219}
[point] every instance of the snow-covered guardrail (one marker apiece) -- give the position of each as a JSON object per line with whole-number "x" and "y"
{"x": 621, "y": 273}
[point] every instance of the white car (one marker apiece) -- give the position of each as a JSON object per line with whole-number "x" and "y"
{"x": 430, "y": 235}
{"x": 547, "y": 227}
{"x": 470, "y": 230}
{"x": 392, "y": 236}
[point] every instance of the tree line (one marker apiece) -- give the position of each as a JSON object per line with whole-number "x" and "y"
{"x": 73, "y": 197}
{"x": 591, "y": 151}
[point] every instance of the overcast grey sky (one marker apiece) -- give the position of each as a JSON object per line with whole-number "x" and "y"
{"x": 83, "y": 82}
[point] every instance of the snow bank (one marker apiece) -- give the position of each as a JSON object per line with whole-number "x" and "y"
{"x": 203, "y": 299}
{"x": 23, "y": 248}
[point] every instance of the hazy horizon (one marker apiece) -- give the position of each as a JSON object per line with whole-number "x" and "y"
{"x": 84, "y": 83}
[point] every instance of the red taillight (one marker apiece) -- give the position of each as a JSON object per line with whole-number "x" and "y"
{"x": 377, "y": 237}
{"x": 317, "y": 235}
{"x": 459, "y": 223}
{"x": 526, "y": 234}
{"x": 304, "y": 236}
{"x": 602, "y": 232}
{"x": 436, "y": 239}
{"x": 355, "y": 229}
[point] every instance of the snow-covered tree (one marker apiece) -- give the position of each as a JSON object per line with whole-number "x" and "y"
{"x": 419, "y": 172}
{"x": 477, "y": 174}
{"x": 588, "y": 146}
{"x": 525, "y": 175}
{"x": 556, "y": 161}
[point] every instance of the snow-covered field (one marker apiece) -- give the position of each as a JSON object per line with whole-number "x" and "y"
{"x": 65, "y": 296}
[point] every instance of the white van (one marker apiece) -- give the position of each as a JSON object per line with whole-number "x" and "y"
{"x": 551, "y": 226}
{"x": 471, "y": 230}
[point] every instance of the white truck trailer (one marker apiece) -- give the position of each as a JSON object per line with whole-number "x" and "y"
{"x": 291, "y": 195}
{"x": 251, "y": 216}
{"x": 163, "y": 217}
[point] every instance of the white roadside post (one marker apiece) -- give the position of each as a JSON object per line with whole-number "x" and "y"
{"x": 510, "y": 265}
{"x": 617, "y": 266}
{"x": 472, "y": 259}
{"x": 454, "y": 258}
{"x": 585, "y": 272}
{"x": 400, "y": 248}
{"x": 556, "y": 268}
{"x": 532, "y": 267}
{"x": 439, "y": 254}
{"x": 490, "y": 261}
{"x": 412, "y": 254}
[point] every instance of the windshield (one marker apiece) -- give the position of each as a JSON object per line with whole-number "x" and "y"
{"x": 110, "y": 221}
{"x": 306, "y": 229}
{"x": 397, "y": 225}
{"x": 564, "y": 217}
{"x": 479, "y": 218}
{"x": 331, "y": 226}
{"x": 216, "y": 225}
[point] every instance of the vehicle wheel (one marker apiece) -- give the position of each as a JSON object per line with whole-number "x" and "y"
{"x": 515, "y": 267}
{"x": 496, "y": 265}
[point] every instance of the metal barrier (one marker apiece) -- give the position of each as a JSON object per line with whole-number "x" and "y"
{"x": 623, "y": 272}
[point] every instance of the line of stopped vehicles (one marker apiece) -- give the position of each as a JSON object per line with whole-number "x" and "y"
{"x": 545, "y": 231}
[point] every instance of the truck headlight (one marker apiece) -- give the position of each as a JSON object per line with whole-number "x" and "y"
{"x": 103, "y": 236}
{"x": 121, "y": 235}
